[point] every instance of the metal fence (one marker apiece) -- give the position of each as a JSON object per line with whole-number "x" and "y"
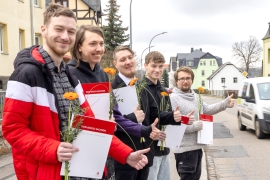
{"x": 222, "y": 93}
{"x": 2, "y": 99}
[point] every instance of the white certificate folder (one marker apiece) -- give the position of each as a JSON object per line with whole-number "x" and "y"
{"x": 205, "y": 136}
{"x": 175, "y": 133}
{"x": 127, "y": 99}
{"x": 93, "y": 142}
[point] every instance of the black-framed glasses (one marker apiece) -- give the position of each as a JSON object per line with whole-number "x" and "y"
{"x": 184, "y": 79}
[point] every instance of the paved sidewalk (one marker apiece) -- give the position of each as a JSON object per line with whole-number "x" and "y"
{"x": 7, "y": 171}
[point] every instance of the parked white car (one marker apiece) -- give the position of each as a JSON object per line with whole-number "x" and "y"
{"x": 254, "y": 105}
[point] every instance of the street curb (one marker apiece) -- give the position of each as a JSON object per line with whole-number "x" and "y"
{"x": 210, "y": 166}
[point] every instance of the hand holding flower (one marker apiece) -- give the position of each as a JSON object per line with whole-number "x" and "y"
{"x": 139, "y": 114}
{"x": 162, "y": 136}
{"x": 65, "y": 151}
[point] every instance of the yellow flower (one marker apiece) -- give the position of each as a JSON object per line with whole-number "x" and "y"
{"x": 164, "y": 93}
{"x": 133, "y": 81}
{"x": 201, "y": 90}
{"x": 110, "y": 71}
{"x": 70, "y": 96}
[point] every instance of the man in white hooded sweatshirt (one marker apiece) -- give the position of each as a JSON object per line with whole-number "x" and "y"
{"x": 188, "y": 156}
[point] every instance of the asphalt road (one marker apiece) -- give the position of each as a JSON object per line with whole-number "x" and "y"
{"x": 240, "y": 155}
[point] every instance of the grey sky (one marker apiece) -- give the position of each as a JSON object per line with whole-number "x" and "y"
{"x": 213, "y": 25}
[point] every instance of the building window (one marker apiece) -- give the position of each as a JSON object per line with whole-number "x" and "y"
{"x": 190, "y": 63}
{"x": 204, "y": 63}
{"x": 37, "y": 39}
{"x": 203, "y": 83}
{"x": 1, "y": 84}
{"x": 36, "y": 3}
{"x": 268, "y": 55}
{"x": 210, "y": 63}
{"x": 202, "y": 72}
{"x": 21, "y": 39}
{"x": 222, "y": 80}
{"x": 214, "y": 63}
{"x": 3, "y": 38}
{"x": 62, "y": 2}
{"x": 235, "y": 80}
{"x": 200, "y": 63}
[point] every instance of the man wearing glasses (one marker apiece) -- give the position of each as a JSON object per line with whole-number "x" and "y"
{"x": 189, "y": 155}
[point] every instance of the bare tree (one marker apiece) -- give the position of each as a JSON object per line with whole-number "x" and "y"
{"x": 248, "y": 53}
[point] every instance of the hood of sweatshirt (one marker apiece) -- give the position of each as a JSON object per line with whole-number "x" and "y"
{"x": 29, "y": 55}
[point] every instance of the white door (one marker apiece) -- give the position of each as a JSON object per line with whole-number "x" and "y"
{"x": 242, "y": 105}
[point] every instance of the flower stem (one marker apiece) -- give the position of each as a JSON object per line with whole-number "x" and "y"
{"x": 66, "y": 170}
{"x": 68, "y": 127}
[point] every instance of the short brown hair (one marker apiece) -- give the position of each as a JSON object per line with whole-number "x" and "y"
{"x": 121, "y": 48}
{"x": 75, "y": 53}
{"x": 154, "y": 56}
{"x": 184, "y": 69}
{"x": 55, "y": 10}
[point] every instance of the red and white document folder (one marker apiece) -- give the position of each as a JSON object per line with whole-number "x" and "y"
{"x": 93, "y": 142}
{"x": 98, "y": 97}
{"x": 175, "y": 133}
{"x": 205, "y": 136}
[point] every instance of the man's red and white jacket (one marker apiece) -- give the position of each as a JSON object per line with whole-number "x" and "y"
{"x": 30, "y": 121}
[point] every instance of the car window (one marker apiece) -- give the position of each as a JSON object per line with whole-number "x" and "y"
{"x": 251, "y": 92}
{"x": 244, "y": 90}
{"x": 264, "y": 91}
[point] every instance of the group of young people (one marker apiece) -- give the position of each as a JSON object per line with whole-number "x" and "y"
{"x": 35, "y": 111}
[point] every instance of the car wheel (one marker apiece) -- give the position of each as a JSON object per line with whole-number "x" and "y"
{"x": 258, "y": 131}
{"x": 240, "y": 125}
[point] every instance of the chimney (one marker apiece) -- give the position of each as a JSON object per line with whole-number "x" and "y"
{"x": 191, "y": 49}
{"x": 269, "y": 28}
{"x": 200, "y": 49}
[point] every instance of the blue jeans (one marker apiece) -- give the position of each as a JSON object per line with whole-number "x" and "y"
{"x": 188, "y": 164}
{"x": 160, "y": 169}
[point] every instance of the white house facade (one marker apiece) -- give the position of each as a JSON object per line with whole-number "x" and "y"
{"x": 226, "y": 77}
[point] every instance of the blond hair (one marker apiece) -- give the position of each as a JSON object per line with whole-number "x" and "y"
{"x": 121, "y": 48}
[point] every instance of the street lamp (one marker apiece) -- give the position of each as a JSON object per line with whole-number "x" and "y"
{"x": 141, "y": 58}
{"x": 130, "y": 25}
{"x": 154, "y": 37}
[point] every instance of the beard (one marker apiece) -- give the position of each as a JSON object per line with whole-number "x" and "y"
{"x": 52, "y": 44}
{"x": 185, "y": 89}
{"x": 130, "y": 74}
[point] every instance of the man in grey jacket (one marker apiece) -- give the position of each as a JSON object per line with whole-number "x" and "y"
{"x": 188, "y": 156}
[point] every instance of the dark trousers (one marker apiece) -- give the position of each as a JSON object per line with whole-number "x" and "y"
{"x": 131, "y": 174}
{"x": 188, "y": 164}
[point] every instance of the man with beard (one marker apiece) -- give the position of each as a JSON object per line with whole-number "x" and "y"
{"x": 35, "y": 111}
{"x": 124, "y": 61}
{"x": 189, "y": 155}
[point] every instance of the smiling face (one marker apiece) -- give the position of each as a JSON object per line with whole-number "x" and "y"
{"x": 154, "y": 70}
{"x": 59, "y": 35}
{"x": 92, "y": 48}
{"x": 125, "y": 63}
